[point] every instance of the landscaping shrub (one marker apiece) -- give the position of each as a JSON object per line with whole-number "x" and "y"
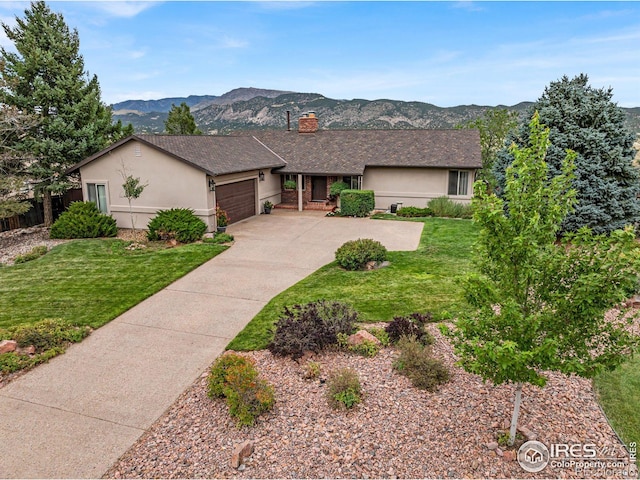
{"x": 83, "y": 220}
{"x": 47, "y": 334}
{"x": 413, "y": 325}
{"x": 13, "y": 362}
{"x": 417, "y": 364}
{"x": 311, "y": 327}
{"x": 236, "y": 379}
{"x": 35, "y": 253}
{"x": 445, "y": 207}
{"x": 366, "y": 348}
{"x": 180, "y": 224}
{"x": 220, "y": 237}
{"x": 381, "y": 334}
{"x": 355, "y": 254}
{"x": 311, "y": 370}
{"x": 356, "y": 203}
{"x": 343, "y": 389}
{"x": 336, "y": 188}
{"x": 49, "y": 337}
{"x": 414, "y": 212}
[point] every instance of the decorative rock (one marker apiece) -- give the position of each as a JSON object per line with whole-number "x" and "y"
{"x": 7, "y": 346}
{"x": 528, "y": 434}
{"x": 360, "y": 337}
{"x": 492, "y": 445}
{"x": 499, "y": 452}
{"x": 242, "y": 451}
{"x": 510, "y": 455}
{"x": 30, "y": 350}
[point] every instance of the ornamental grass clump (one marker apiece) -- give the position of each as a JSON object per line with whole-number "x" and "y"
{"x": 235, "y": 379}
{"x": 417, "y": 363}
{"x": 311, "y": 327}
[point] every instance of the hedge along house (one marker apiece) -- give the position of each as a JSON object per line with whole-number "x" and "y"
{"x": 195, "y": 172}
{"x": 401, "y": 166}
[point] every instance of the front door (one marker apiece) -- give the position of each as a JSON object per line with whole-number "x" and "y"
{"x": 318, "y": 188}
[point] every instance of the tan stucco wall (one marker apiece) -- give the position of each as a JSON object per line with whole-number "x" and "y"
{"x": 171, "y": 184}
{"x": 411, "y": 186}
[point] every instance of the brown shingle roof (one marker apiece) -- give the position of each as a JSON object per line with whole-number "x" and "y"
{"x": 326, "y": 152}
{"x": 348, "y": 152}
{"x": 215, "y": 155}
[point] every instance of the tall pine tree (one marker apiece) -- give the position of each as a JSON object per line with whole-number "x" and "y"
{"x": 180, "y": 121}
{"x": 584, "y": 119}
{"x": 45, "y": 76}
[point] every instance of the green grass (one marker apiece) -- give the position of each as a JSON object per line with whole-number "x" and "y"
{"x": 418, "y": 281}
{"x": 619, "y": 395}
{"x": 90, "y": 282}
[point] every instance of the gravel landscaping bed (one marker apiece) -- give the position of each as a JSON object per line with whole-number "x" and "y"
{"x": 397, "y": 432}
{"x": 23, "y": 240}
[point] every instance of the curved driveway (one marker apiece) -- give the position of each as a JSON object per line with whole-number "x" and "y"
{"x": 73, "y": 417}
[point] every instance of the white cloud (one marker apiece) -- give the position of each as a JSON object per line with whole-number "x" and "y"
{"x": 468, "y": 5}
{"x": 285, "y": 5}
{"x": 136, "y": 54}
{"x": 123, "y": 8}
{"x": 228, "y": 42}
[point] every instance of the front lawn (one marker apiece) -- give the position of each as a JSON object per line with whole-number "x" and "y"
{"x": 90, "y": 282}
{"x": 619, "y": 395}
{"x": 423, "y": 280}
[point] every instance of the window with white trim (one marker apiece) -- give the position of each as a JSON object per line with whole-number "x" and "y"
{"x": 458, "y": 182}
{"x": 354, "y": 181}
{"x": 97, "y": 193}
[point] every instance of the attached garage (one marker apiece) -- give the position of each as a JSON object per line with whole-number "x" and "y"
{"x": 238, "y": 199}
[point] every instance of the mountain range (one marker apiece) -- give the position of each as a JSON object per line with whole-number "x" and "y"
{"x": 254, "y": 108}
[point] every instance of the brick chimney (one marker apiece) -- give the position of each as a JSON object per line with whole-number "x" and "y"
{"x": 308, "y": 123}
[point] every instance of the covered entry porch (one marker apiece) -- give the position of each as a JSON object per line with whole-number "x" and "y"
{"x": 313, "y": 192}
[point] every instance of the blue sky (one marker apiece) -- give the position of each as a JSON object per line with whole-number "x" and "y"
{"x": 445, "y": 53}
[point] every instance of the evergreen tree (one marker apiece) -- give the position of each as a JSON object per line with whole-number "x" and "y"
{"x": 13, "y": 127}
{"x": 585, "y": 120}
{"x": 46, "y": 77}
{"x": 180, "y": 121}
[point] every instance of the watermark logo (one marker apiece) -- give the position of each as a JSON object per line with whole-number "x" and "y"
{"x": 533, "y": 456}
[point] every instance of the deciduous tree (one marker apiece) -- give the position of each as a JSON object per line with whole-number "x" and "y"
{"x": 536, "y": 305}
{"x": 587, "y": 121}
{"x": 45, "y": 76}
{"x": 494, "y": 126}
{"x": 132, "y": 188}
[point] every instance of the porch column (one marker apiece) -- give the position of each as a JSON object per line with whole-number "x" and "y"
{"x": 299, "y": 192}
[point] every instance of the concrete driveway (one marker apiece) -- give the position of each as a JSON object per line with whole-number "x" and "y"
{"x": 75, "y": 416}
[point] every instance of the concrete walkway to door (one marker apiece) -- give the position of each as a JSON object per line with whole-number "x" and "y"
{"x": 75, "y": 416}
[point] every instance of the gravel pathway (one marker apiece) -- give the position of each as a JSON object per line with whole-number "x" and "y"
{"x": 397, "y": 432}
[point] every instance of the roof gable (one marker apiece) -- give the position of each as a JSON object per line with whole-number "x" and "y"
{"x": 215, "y": 155}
